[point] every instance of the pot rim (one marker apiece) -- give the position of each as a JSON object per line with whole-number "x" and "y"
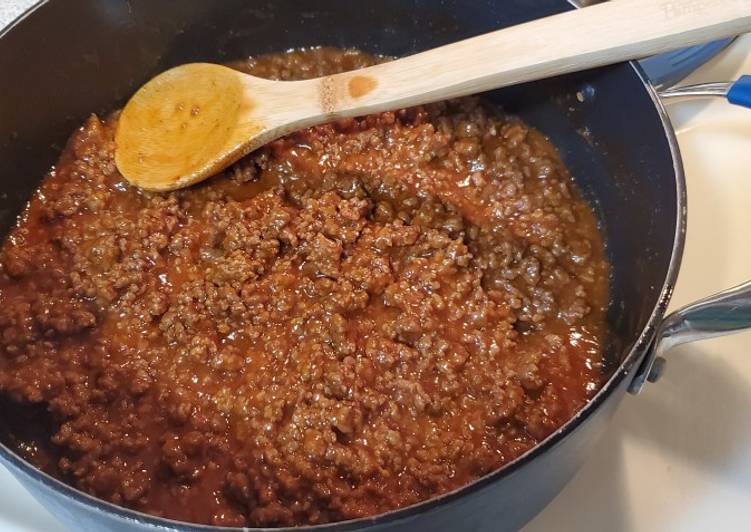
{"x": 631, "y": 361}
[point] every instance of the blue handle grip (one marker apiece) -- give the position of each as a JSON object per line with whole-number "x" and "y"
{"x": 740, "y": 93}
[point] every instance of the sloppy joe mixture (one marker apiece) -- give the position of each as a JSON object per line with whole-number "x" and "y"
{"x": 352, "y": 319}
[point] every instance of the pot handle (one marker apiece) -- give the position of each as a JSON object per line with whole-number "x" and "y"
{"x": 721, "y": 314}
{"x": 737, "y": 92}
{"x": 725, "y": 313}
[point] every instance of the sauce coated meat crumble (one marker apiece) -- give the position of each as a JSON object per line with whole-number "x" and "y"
{"x": 352, "y": 319}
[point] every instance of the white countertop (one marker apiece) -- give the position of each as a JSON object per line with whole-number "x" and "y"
{"x": 677, "y": 458}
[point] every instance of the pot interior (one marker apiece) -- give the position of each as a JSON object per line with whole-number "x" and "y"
{"x": 71, "y": 58}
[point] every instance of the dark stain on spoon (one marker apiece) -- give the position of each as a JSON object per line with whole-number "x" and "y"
{"x": 359, "y": 86}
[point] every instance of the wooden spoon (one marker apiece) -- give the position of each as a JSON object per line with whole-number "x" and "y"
{"x": 194, "y": 120}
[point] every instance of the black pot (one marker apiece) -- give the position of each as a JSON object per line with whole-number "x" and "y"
{"x": 65, "y": 59}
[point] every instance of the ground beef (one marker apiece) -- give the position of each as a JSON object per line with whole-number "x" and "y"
{"x": 352, "y": 319}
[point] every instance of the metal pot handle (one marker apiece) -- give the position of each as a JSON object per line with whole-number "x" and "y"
{"x": 725, "y": 313}
{"x": 737, "y": 92}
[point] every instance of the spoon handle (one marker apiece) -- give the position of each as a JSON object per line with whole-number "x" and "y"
{"x": 577, "y": 40}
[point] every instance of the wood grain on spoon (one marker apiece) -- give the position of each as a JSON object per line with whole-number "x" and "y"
{"x": 193, "y": 121}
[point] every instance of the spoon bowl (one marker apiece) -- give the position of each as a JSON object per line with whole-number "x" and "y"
{"x": 188, "y": 123}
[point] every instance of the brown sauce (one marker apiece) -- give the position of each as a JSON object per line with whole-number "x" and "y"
{"x": 355, "y": 318}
